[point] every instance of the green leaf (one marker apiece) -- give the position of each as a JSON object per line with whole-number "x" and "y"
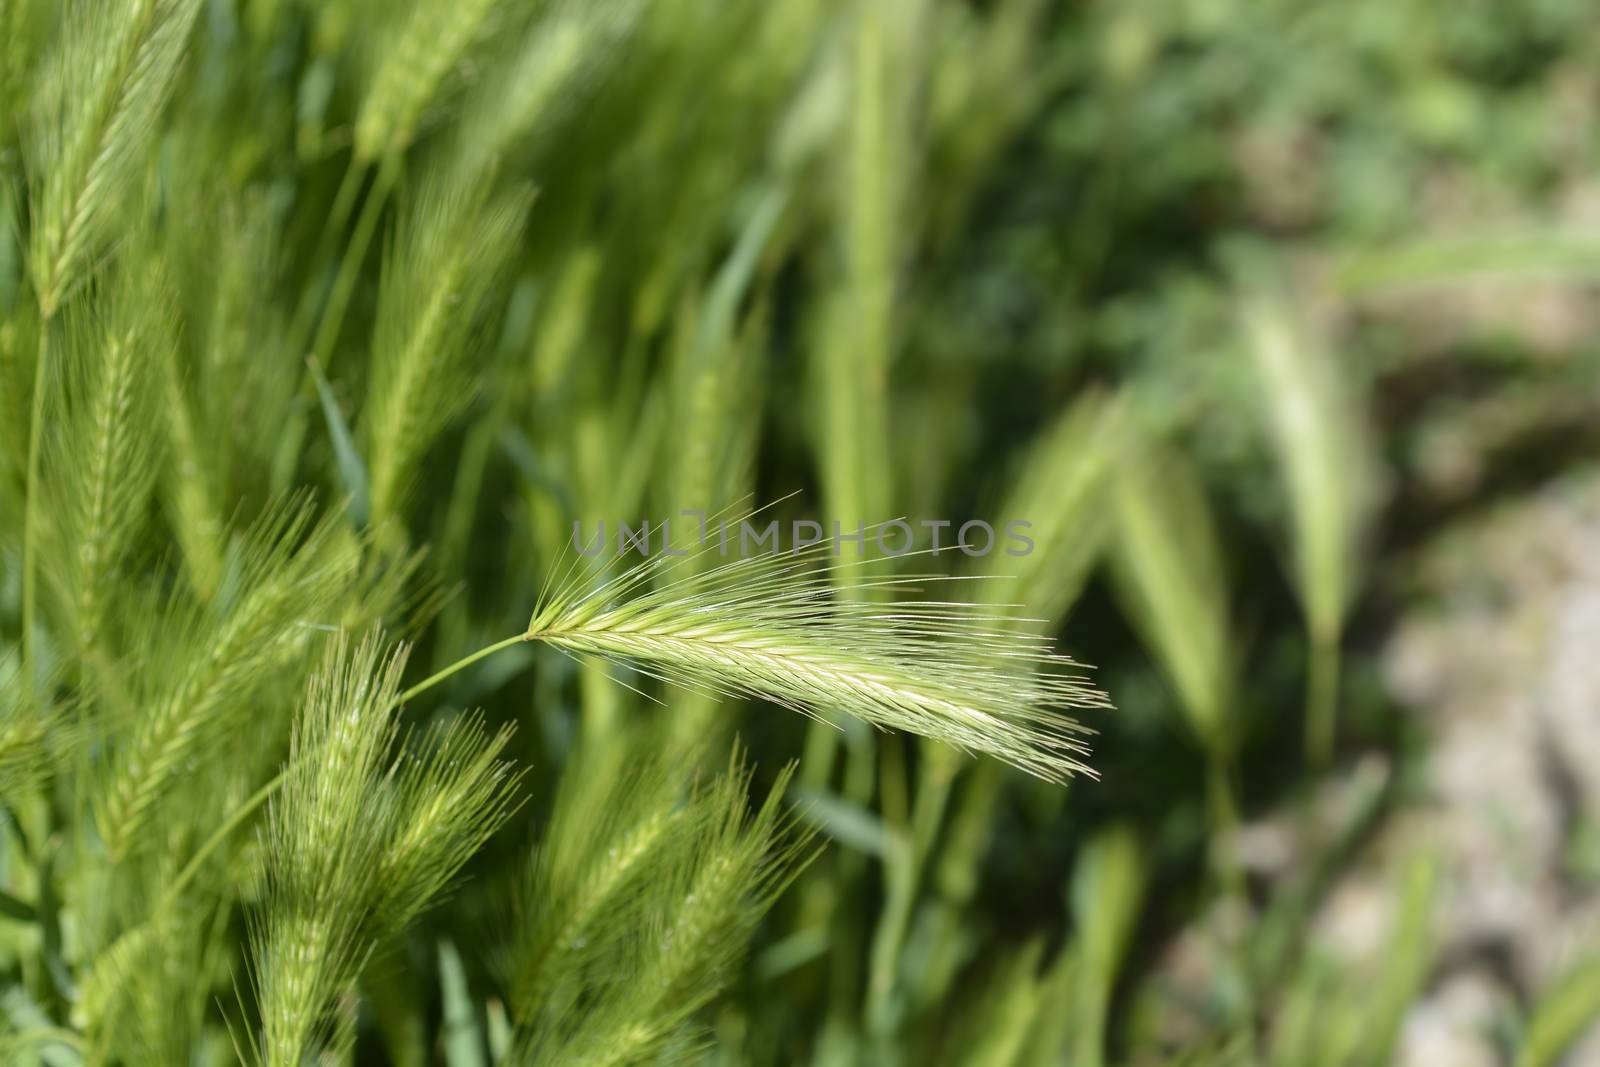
{"x": 463, "y": 1037}
{"x": 848, "y": 823}
{"x": 1107, "y": 891}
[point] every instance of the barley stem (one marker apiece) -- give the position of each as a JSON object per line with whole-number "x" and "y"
{"x": 344, "y": 285}
{"x": 1223, "y": 807}
{"x": 900, "y": 887}
{"x": 903, "y": 876}
{"x": 338, "y": 215}
{"x": 461, "y": 664}
{"x": 31, "y": 505}
{"x": 190, "y": 869}
{"x": 338, "y": 299}
{"x": 1322, "y": 700}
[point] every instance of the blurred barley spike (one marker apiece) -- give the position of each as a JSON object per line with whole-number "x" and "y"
{"x": 1168, "y": 565}
{"x": 28, "y": 735}
{"x": 102, "y": 94}
{"x": 1325, "y": 452}
{"x": 450, "y": 254}
{"x": 681, "y": 878}
{"x": 1062, "y": 490}
{"x": 802, "y": 629}
{"x": 418, "y": 57}
{"x": 291, "y": 575}
{"x": 103, "y": 455}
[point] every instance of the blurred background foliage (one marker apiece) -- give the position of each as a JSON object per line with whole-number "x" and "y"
{"x": 1277, "y": 320}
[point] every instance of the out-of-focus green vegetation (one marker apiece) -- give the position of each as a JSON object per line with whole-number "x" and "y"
{"x": 323, "y": 322}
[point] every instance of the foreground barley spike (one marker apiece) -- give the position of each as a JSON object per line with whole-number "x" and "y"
{"x": 360, "y": 840}
{"x": 322, "y": 849}
{"x": 773, "y": 625}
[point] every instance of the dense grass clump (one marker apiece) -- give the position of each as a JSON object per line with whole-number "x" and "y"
{"x": 331, "y": 330}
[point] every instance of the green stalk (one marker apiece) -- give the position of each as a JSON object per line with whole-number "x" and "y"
{"x": 459, "y": 513}
{"x": 1322, "y": 700}
{"x": 190, "y": 869}
{"x": 343, "y": 201}
{"x": 1223, "y": 807}
{"x": 344, "y": 284}
{"x": 459, "y": 665}
{"x": 940, "y": 767}
{"x": 900, "y": 883}
{"x": 31, "y": 504}
{"x": 819, "y": 754}
{"x": 338, "y": 301}
{"x": 903, "y": 871}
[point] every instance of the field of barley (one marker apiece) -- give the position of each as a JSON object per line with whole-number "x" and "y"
{"x": 799, "y": 533}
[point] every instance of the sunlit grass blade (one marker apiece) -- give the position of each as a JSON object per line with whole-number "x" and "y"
{"x": 995, "y": 1024}
{"x": 1561, "y": 1015}
{"x": 1106, "y": 894}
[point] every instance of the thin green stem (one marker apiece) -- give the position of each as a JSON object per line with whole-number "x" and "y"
{"x": 190, "y": 869}
{"x": 903, "y": 871}
{"x": 900, "y": 881}
{"x": 892, "y": 791}
{"x": 1322, "y": 702}
{"x": 1223, "y": 806}
{"x": 350, "y": 268}
{"x": 31, "y": 504}
{"x": 459, "y": 665}
{"x": 939, "y": 768}
{"x": 819, "y": 755}
{"x": 338, "y": 215}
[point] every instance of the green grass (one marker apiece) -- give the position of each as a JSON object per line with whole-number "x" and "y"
{"x": 323, "y": 325}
